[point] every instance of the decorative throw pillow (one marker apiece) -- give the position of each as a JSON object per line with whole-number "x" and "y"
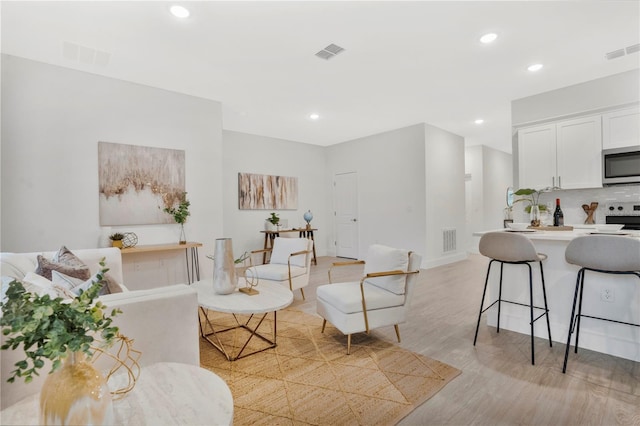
{"x": 66, "y": 257}
{"x": 65, "y": 262}
{"x": 382, "y": 259}
{"x": 37, "y": 284}
{"x": 283, "y": 247}
{"x": 74, "y": 285}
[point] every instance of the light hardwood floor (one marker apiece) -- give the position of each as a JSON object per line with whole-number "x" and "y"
{"x": 498, "y": 384}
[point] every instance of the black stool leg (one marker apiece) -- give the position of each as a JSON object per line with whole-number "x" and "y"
{"x": 580, "y": 309}
{"x": 533, "y": 358}
{"x": 546, "y": 308}
{"x": 499, "y": 297}
{"x": 571, "y": 321}
{"x": 484, "y": 292}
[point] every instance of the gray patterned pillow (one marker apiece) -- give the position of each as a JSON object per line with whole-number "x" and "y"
{"x": 64, "y": 262}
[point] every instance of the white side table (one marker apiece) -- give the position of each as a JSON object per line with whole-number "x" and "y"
{"x": 272, "y": 297}
{"x": 167, "y": 393}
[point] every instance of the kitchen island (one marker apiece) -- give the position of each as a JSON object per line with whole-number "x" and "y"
{"x": 609, "y": 296}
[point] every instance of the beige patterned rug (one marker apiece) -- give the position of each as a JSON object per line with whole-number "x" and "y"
{"x": 309, "y": 379}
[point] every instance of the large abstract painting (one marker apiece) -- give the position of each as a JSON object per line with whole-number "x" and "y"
{"x": 138, "y": 182}
{"x": 267, "y": 192}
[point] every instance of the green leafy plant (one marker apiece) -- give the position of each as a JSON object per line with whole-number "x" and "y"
{"x": 181, "y": 212}
{"x": 532, "y": 196}
{"x": 241, "y": 259}
{"x": 116, "y": 236}
{"x": 274, "y": 219}
{"x": 53, "y": 328}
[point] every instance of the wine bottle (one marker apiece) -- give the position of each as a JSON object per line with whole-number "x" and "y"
{"x": 558, "y": 216}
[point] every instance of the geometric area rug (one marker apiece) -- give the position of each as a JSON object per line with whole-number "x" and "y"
{"x": 308, "y": 379}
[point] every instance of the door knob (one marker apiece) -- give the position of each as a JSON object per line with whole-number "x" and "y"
{"x": 354, "y": 220}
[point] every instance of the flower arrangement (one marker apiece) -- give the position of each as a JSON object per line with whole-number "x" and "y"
{"x": 53, "y": 328}
{"x": 181, "y": 212}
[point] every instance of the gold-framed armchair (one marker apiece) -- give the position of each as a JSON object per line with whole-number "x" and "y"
{"x": 382, "y": 296}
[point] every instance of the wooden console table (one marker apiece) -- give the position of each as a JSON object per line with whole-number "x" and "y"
{"x": 269, "y": 236}
{"x": 193, "y": 264}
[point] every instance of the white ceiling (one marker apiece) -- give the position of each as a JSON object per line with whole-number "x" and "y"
{"x": 404, "y": 63}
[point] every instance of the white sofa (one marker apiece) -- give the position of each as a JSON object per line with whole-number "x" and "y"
{"x": 163, "y": 322}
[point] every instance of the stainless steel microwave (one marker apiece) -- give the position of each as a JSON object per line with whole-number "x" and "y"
{"x": 621, "y": 165}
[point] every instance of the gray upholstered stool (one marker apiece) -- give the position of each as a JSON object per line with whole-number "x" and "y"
{"x": 515, "y": 249}
{"x": 605, "y": 254}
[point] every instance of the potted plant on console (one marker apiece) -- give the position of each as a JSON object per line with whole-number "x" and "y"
{"x": 116, "y": 239}
{"x": 180, "y": 215}
{"x": 61, "y": 330}
{"x": 272, "y": 222}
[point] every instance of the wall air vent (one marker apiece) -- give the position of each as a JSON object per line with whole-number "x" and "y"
{"x": 448, "y": 240}
{"x": 330, "y": 51}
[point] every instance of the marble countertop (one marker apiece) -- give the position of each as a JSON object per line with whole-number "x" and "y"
{"x": 578, "y": 230}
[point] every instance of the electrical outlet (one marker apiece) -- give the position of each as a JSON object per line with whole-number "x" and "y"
{"x": 607, "y": 295}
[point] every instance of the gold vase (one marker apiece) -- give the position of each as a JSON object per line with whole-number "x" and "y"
{"x": 76, "y": 394}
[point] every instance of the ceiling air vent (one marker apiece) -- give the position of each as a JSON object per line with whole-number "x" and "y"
{"x": 329, "y": 52}
{"x": 615, "y": 54}
{"x": 633, "y": 49}
{"x": 621, "y": 52}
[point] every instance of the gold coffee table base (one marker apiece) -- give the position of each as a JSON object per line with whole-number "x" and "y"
{"x": 213, "y": 336}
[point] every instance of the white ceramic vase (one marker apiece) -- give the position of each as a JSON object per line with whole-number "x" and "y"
{"x": 224, "y": 271}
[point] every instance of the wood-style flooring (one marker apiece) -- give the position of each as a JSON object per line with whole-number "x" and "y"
{"x": 498, "y": 384}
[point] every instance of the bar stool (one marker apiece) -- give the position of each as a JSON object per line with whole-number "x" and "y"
{"x": 605, "y": 254}
{"x": 514, "y": 249}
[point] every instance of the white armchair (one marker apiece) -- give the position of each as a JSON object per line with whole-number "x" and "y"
{"x": 289, "y": 263}
{"x": 381, "y": 298}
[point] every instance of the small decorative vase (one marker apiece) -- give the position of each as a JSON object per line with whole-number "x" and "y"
{"x": 116, "y": 243}
{"x": 75, "y": 394}
{"x": 183, "y": 238}
{"x": 307, "y": 217}
{"x": 535, "y": 215}
{"x": 225, "y": 279}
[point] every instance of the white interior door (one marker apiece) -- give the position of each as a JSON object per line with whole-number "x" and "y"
{"x": 346, "y": 214}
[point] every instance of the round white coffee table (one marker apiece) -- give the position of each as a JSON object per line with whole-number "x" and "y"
{"x": 271, "y": 298}
{"x": 167, "y": 393}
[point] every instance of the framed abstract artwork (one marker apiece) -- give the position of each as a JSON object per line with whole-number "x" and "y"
{"x": 267, "y": 192}
{"x": 137, "y": 182}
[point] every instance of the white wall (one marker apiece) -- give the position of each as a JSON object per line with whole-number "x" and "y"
{"x": 491, "y": 175}
{"x": 445, "y": 194}
{"x": 52, "y": 120}
{"x": 245, "y": 153}
{"x": 391, "y": 187}
{"x": 595, "y": 95}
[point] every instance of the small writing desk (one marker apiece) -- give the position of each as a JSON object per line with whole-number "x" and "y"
{"x": 193, "y": 264}
{"x": 269, "y": 236}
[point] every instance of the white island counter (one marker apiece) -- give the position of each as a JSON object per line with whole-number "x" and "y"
{"x": 622, "y": 303}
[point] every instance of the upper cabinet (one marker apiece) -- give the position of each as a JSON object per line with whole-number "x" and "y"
{"x": 621, "y": 128}
{"x": 564, "y": 154}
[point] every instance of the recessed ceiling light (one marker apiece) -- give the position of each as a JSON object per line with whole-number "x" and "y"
{"x": 479, "y": 121}
{"x": 488, "y": 38}
{"x": 535, "y": 67}
{"x": 314, "y": 116}
{"x": 179, "y": 11}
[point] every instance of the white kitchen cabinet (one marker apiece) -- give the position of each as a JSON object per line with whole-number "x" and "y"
{"x": 537, "y": 156}
{"x": 564, "y": 154}
{"x": 621, "y": 129}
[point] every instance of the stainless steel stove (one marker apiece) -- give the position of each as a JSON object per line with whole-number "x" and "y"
{"x": 627, "y": 214}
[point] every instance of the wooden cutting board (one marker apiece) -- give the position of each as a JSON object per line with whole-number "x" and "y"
{"x": 551, "y": 228}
